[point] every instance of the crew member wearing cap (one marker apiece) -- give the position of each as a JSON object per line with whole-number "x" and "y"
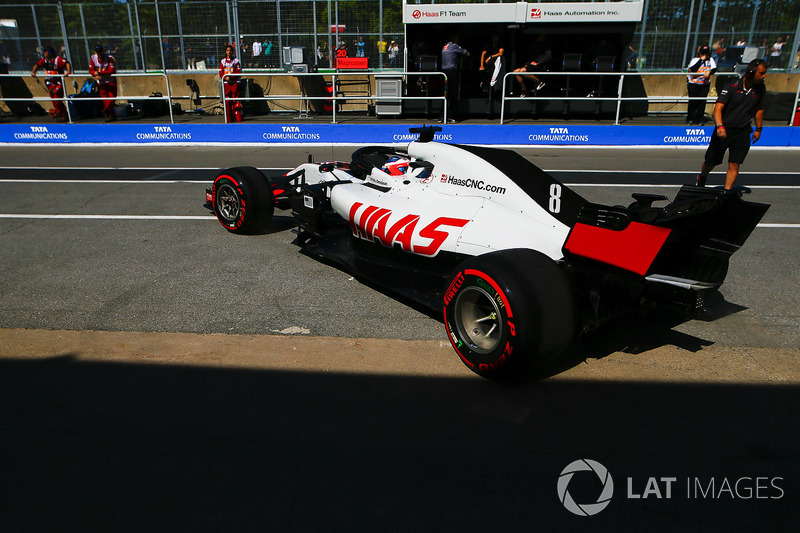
{"x": 55, "y": 66}
{"x": 102, "y": 68}
{"x": 698, "y": 83}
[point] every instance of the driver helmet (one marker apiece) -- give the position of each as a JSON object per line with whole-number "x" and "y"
{"x": 396, "y": 165}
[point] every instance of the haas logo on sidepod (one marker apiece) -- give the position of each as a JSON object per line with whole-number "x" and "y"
{"x": 372, "y": 222}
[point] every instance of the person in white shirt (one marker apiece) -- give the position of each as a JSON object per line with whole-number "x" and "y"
{"x": 775, "y": 53}
{"x": 698, "y": 83}
{"x": 256, "y": 52}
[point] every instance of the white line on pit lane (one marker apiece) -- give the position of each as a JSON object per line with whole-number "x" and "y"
{"x": 673, "y": 185}
{"x": 170, "y": 169}
{"x": 107, "y": 182}
{"x": 108, "y": 217}
{"x": 207, "y": 217}
{"x": 116, "y": 168}
{"x": 718, "y": 173}
{"x": 794, "y": 226}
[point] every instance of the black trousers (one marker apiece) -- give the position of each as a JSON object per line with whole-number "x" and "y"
{"x": 452, "y": 92}
{"x": 696, "y": 110}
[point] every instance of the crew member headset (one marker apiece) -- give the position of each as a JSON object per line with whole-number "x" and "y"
{"x": 752, "y": 67}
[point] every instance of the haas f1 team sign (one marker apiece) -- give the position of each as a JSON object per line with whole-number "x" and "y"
{"x": 521, "y": 12}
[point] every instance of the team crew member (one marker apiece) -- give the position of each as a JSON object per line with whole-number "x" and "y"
{"x": 102, "y": 68}
{"x": 542, "y": 55}
{"x": 698, "y": 83}
{"x": 54, "y": 65}
{"x": 738, "y": 104}
{"x": 227, "y": 68}
{"x": 450, "y": 66}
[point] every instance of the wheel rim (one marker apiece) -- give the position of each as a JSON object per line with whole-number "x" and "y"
{"x": 229, "y": 206}
{"x": 477, "y": 319}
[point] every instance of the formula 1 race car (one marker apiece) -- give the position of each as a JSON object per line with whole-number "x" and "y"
{"x": 517, "y": 263}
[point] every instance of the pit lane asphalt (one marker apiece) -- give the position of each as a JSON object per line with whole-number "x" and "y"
{"x": 227, "y": 382}
{"x": 188, "y": 276}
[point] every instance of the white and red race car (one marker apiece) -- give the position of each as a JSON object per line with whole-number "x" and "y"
{"x": 517, "y": 263}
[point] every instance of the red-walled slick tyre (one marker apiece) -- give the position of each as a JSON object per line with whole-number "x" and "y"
{"x": 243, "y": 200}
{"x": 507, "y": 310}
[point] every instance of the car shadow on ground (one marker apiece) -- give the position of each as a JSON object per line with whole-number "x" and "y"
{"x": 278, "y": 224}
{"x": 634, "y": 333}
{"x": 104, "y": 446}
{"x": 640, "y": 332}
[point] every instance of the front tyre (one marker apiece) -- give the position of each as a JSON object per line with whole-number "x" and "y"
{"x": 507, "y": 310}
{"x": 243, "y": 200}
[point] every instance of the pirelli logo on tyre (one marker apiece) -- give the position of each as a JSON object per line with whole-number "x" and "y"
{"x": 471, "y": 183}
{"x": 453, "y": 288}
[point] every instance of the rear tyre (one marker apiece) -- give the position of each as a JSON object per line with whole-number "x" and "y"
{"x": 507, "y": 310}
{"x": 243, "y": 200}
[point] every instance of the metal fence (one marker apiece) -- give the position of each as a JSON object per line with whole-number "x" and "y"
{"x": 183, "y": 35}
{"x": 177, "y": 35}
{"x": 673, "y": 29}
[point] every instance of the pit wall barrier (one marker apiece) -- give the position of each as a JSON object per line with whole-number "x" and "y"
{"x": 356, "y": 134}
{"x": 617, "y": 94}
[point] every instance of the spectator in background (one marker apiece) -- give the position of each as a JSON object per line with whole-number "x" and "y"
{"x": 256, "y": 50}
{"x": 381, "y": 50}
{"x": 320, "y": 53}
{"x": 360, "y": 47}
{"x": 243, "y": 53}
{"x": 775, "y": 53}
{"x": 102, "y": 68}
{"x": 191, "y": 60}
{"x": 167, "y": 52}
{"x": 719, "y": 49}
{"x": 698, "y": 84}
{"x": 267, "y": 47}
{"x": 741, "y": 42}
{"x": 176, "y": 55}
{"x": 341, "y": 50}
{"x": 210, "y": 57}
{"x": 324, "y": 55}
{"x": 55, "y": 66}
{"x": 394, "y": 54}
{"x": 630, "y": 55}
{"x": 228, "y": 68}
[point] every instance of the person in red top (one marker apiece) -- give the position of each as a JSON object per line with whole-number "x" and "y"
{"x": 227, "y": 68}
{"x": 102, "y": 68}
{"x": 54, "y": 66}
